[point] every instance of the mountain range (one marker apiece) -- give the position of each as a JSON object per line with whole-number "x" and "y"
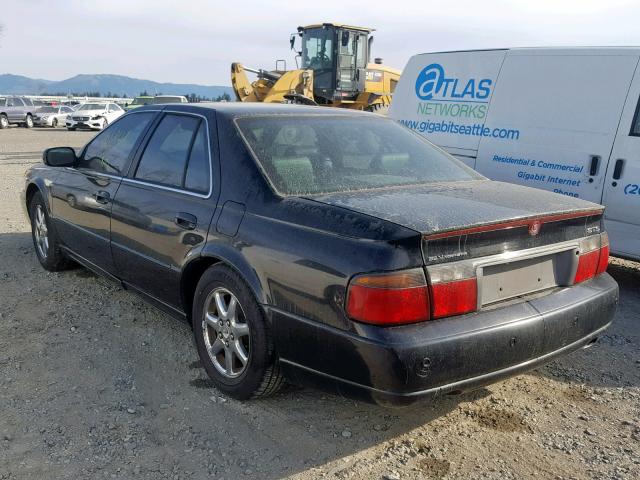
{"x": 111, "y": 85}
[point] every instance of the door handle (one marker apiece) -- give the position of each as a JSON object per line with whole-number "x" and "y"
{"x": 102, "y": 197}
{"x": 186, "y": 221}
{"x": 593, "y": 169}
{"x": 617, "y": 171}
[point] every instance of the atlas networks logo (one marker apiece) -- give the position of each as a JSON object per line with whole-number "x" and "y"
{"x": 433, "y": 84}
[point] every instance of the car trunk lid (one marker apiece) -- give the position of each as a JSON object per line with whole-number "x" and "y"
{"x": 438, "y": 208}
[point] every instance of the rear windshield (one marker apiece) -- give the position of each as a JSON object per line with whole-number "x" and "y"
{"x": 322, "y": 154}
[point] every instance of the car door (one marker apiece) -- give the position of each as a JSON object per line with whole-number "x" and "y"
{"x": 82, "y": 198}
{"x": 162, "y": 210}
{"x": 64, "y": 111}
{"x": 621, "y": 193}
{"x": 15, "y": 109}
{"x": 113, "y": 112}
{"x": 545, "y": 127}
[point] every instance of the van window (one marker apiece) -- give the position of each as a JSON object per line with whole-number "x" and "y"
{"x": 635, "y": 125}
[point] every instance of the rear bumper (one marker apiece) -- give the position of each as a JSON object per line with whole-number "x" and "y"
{"x": 399, "y": 365}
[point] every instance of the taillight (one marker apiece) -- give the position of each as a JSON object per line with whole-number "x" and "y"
{"x": 390, "y": 298}
{"x": 593, "y": 257}
{"x": 453, "y": 289}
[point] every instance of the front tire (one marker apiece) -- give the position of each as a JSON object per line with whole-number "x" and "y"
{"x": 232, "y": 336}
{"x": 105, "y": 123}
{"x": 44, "y": 237}
{"x": 28, "y": 122}
{"x": 54, "y": 123}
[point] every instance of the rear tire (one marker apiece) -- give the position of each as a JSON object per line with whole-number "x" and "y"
{"x": 4, "y": 122}
{"x": 237, "y": 328}
{"x": 28, "y": 122}
{"x": 45, "y": 239}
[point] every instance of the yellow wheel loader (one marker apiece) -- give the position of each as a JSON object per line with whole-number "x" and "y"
{"x": 334, "y": 72}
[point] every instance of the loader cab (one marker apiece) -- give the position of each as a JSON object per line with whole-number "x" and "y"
{"x": 338, "y": 56}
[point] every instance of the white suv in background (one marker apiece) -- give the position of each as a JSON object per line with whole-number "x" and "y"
{"x": 94, "y": 116}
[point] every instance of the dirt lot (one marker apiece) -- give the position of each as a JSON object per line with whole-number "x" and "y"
{"x": 94, "y": 383}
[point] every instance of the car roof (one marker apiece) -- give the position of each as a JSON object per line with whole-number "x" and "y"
{"x": 241, "y": 109}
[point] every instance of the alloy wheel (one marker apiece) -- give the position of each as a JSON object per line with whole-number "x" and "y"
{"x": 41, "y": 232}
{"x": 226, "y": 333}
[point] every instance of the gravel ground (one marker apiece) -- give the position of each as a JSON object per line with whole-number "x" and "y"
{"x": 94, "y": 383}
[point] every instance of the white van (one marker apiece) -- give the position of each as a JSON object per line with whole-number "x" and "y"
{"x": 560, "y": 119}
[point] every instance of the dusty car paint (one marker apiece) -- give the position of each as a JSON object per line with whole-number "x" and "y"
{"x": 298, "y": 254}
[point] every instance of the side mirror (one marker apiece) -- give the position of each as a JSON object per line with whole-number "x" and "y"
{"x": 59, "y": 157}
{"x": 292, "y": 41}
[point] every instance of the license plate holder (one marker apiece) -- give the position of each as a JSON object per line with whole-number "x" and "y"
{"x": 513, "y": 279}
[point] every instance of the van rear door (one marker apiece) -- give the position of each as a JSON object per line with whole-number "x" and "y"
{"x": 445, "y": 97}
{"x": 622, "y": 183}
{"x": 565, "y": 106}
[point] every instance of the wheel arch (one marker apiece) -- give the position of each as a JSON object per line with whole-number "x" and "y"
{"x": 31, "y": 189}
{"x": 193, "y": 271}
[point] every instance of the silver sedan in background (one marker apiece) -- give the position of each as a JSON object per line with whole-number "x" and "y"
{"x": 51, "y": 116}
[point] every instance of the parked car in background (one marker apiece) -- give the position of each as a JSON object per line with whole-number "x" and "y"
{"x": 332, "y": 247}
{"x": 16, "y": 110}
{"x": 94, "y": 116}
{"x": 157, "y": 100}
{"x": 51, "y": 116}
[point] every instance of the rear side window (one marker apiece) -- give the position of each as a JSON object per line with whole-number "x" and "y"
{"x": 197, "y": 177}
{"x": 177, "y": 154}
{"x": 27, "y": 102}
{"x": 635, "y": 125}
{"x": 110, "y": 151}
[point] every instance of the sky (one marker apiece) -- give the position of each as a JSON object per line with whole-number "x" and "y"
{"x": 195, "y": 41}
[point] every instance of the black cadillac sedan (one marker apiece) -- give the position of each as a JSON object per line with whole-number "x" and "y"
{"x": 331, "y": 248}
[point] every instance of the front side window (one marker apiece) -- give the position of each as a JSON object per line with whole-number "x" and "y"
{"x": 323, "y": 154}
{"x": 179, "y": 141}
{"x": 317, "y": 49}
{"x": 109, "y": 152}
